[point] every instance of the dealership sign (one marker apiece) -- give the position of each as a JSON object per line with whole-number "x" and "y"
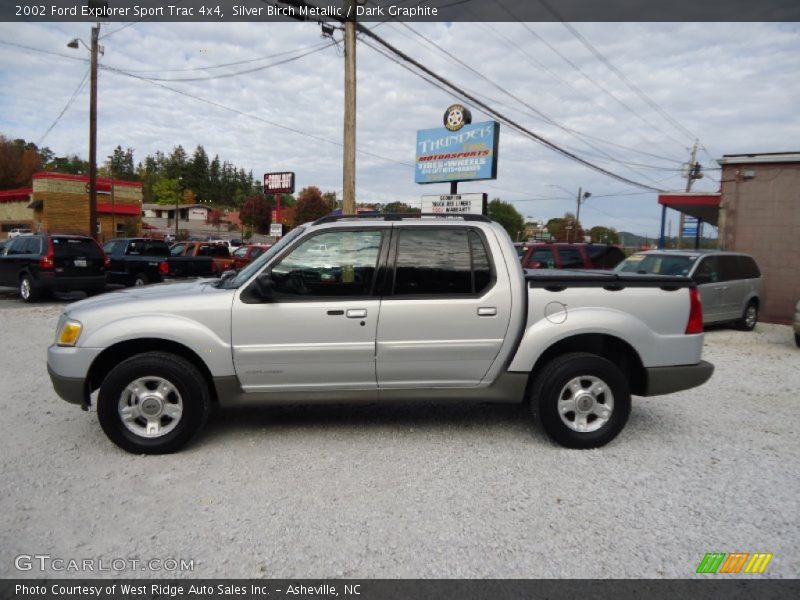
{"x": 455, "y": 204}
{"x": 279, "y": 183}
{"x": 469, "y": 154}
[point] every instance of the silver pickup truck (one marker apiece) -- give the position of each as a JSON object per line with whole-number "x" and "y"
{"x": 374, "y": 310}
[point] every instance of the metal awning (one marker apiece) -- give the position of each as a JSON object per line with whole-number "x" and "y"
{"x": 702, "y": 205}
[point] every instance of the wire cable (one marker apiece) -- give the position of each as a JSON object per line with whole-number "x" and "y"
{"x": 66, "y": 107}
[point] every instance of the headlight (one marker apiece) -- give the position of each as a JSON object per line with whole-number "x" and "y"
{"x": 68, "y": 332}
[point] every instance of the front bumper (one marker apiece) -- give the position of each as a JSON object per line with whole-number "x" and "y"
{"x": 68, "y": 367}
{"x": 73, "y": 390}
{"x": 666, "y": 380}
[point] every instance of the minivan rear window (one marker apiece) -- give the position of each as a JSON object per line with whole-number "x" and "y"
{"x": 71, "y": 247}
{"x": 658, "y": 264}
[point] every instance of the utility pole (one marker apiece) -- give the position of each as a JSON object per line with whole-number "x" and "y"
{"x": 692, "y": 173}
{"x": 349, "y": 166}
{"x": 582, "y": 197}
{"x": 93, "y": 136}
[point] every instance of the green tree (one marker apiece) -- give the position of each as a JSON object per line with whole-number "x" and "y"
{"x": 175, "y": 166}
{"x": 400, "y": 208}
{"x": 604, "y": 235}
{"x": 197, "y": 174}
{"x": 565, "y": 229}
{"x": 310, "y": 205}
{"x": 167, "y": 191}
{"x": 120, "y": 165}
{"x": 508, "y": 216}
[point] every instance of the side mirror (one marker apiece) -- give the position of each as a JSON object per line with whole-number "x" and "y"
{"x": 227, "y": 275}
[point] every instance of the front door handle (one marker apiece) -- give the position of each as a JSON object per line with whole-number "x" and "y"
{"x": 356, "y": 313}
{"x": 487, "y": 311}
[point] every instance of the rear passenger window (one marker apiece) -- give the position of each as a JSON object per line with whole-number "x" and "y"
{"x": 605, "y": 257}
{"x": 441, "y": 262}
{"x": 544, "y": 256}
{"x": 729, "y": 268}
{"x": 748, "y": 267}
{"x": 570, "y": 258}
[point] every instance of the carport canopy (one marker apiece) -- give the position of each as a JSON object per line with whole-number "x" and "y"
{"x": 702, "y": 205}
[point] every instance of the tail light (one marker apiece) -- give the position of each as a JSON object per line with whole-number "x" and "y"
{"x": 695, "y": 323}
{"x": 106, "y": 259}
{"x": 48, "y": 260}
{"x": 163, "y": 268}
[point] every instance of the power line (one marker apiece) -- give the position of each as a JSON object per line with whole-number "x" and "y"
{"x": 251, "y": 116}
{"x": 66, "y": 107}
{"x": 245, "y": 71}
{"x": 587, "y": 76}
{"x": 230, "y": 64}
{"x": 41, "y": 51}
{"x": 454, "y": 89}
{"x": 649, "y": 101}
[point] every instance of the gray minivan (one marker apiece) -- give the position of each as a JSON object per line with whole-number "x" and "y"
{"x": 729, "y": 283}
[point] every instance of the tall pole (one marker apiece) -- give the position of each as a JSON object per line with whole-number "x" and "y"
{"x": 349, "y": 167}
{"x": 689, "y": 181}
{"x": 578, "y": 214}
{"x": 93, "y": 137}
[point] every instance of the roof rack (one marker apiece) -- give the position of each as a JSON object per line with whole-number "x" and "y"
{"x": 401, "y": 216}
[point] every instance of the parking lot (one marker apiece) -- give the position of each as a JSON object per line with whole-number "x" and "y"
{"x": 409, "y": 490}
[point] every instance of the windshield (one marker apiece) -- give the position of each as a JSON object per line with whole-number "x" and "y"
{"x": 657, "y": 264}
{"x": 258, "y": 264}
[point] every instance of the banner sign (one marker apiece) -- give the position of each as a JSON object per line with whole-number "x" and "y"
{"x": 278, "y": 183}
{"x": 455, "y": 204}
{"x": 276, "y": 229}
{"x": 469, "y": 154}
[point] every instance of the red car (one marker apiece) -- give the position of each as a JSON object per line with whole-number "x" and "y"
{"x": 244, "y": 255}
{"x": 571, "y": 256}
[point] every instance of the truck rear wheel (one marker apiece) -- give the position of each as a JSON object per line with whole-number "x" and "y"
{"x": 140, "y": 279}
{"x": 582, "y": 400}
{"x": 153, "y": 403}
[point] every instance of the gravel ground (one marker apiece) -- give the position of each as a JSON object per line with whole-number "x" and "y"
{"x": 410, "y": 490}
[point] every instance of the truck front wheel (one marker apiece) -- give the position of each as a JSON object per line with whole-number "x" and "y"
{"x": 582, "y": 400}
{"x": 153, "y": 403}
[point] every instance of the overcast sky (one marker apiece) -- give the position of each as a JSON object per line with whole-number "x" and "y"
{"x": 736, "y": 86}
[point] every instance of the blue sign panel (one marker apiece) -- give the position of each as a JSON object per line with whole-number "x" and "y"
{"x": 469, "y": 154}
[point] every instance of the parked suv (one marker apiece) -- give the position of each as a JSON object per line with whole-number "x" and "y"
{"x": 729, "y": 282}
{"x": 41, "y": 264}
{"x": 571, "y": 256}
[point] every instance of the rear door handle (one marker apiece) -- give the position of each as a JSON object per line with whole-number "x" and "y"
{"x": 487, "y": 311}
{"x": 356, "y": 313}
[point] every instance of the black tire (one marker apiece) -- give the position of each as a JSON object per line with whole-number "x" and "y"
{"x": 140, "y": 279}
{"x": 749, "y": 317}
{"x": 191, "y": 392}
{"x": 797, "y": 339}
{"x": 27, "y": 290}
{"x": 550, "y": 385}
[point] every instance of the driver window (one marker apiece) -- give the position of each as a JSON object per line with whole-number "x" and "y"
{"x": 339, "y": 263}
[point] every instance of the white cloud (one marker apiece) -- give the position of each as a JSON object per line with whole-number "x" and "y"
{"x": 735, "y": 85}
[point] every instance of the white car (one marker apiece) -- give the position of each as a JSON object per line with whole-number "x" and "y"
{"x": 15, "y": 232}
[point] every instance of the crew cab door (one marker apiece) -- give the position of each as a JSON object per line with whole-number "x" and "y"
{"x": 317, "y": 330}
{"x": 445, "y": 312}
